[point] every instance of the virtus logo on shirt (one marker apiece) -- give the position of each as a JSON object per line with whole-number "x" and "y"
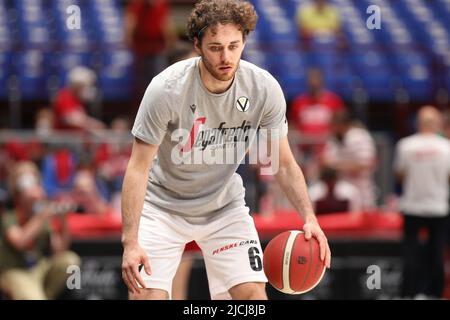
{"x": 243, "y": 104}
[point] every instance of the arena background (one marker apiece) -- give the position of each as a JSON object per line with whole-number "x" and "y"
{"x": 383, "y": 75}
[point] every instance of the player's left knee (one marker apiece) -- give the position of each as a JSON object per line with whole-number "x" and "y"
{"x": 249, "y": 291}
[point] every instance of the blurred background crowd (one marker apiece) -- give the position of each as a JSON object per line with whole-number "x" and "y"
{"x": 73, "y": 72}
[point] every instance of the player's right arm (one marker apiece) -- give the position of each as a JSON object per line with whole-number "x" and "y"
{"x": 133, "y": 194}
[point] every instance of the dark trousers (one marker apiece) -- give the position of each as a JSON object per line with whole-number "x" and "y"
{"x": 423, "y": 263}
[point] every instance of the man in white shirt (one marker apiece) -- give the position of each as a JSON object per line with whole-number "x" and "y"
{"x": 422, "y": 165}
{"x": 352, "y": 153}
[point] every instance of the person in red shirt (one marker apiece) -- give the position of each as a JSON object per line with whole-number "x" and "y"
{"x": 69, "y": 103}
{"x": 311, "y": 115}
{"x": 312, "y": 111}
{"x": 149, "y": 31}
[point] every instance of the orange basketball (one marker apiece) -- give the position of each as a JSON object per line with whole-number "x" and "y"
{"x": 292, "y": 264}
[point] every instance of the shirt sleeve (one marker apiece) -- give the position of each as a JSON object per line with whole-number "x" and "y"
{"x": 153, "y": 116}
{"x": 274, "y": 116}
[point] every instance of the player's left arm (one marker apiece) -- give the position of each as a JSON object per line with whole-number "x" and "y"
{"x": 292, "y": 181}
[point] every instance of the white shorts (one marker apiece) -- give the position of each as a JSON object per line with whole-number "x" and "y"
{"x": 229, "y": 243}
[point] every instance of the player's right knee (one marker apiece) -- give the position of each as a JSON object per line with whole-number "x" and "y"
{"x": 150, "y": 294}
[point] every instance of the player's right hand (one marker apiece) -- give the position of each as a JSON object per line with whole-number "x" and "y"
{"x": 133, "y": 257}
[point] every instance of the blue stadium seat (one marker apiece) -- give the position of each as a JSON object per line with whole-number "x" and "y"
{"x": 32, "y": 22}
{"x": 293, "y": 85}
{"x": 107, "y": 22}
{"x": 31, "y": 69}
{"x": 417, "y": 80}
{"x": 116, "y": 75}
{"x": 407, "y": 25}
{"x": 5, "y": 26}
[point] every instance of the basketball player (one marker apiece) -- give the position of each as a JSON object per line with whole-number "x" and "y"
{"x": 219, "y": 100}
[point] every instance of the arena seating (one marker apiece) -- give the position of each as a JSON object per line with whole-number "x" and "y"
{"x": 411, "y": 46}
{"x": 36, "y": 33}
{"x": 411, "y": 49}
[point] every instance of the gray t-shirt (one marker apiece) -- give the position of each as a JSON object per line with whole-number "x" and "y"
{"x": 187, "y": 122}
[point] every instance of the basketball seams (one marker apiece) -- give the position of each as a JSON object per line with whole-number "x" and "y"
{"x": 309, "y": 264}
{"x": 282, "y": 263}
{"x": 285, "y": 272}
{"x": 287, "y": 256}
{"x": 290, "y": 270}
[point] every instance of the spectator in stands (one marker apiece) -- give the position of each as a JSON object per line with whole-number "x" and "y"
{"x": 149, "y": 31}
{"x": 86, "y": 194}
{"x": 311, "y": 115}
{"x": 319, "y": 19}
{"x": 331, "y": 194}
{"x": 69, "y": 106}
{"x": 311, "y": 112}
{"x": 352, "y": 153}
{"x": 423, "y": 167}
{"x": 33, "y": 256}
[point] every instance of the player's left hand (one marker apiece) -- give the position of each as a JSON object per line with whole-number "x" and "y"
{"x": 312, "y": 229}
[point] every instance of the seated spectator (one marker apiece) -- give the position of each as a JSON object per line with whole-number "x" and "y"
{"x": 85, "y": 194}
{"x": 69, "y": 106}
{"x": 319, "y": 19}
{"x": 34, "y": 257}
{"x": 352, "y": 153}
{"x": 330, "y": 194}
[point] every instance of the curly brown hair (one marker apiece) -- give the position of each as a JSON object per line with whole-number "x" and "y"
{"x": 209, "y": 13}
